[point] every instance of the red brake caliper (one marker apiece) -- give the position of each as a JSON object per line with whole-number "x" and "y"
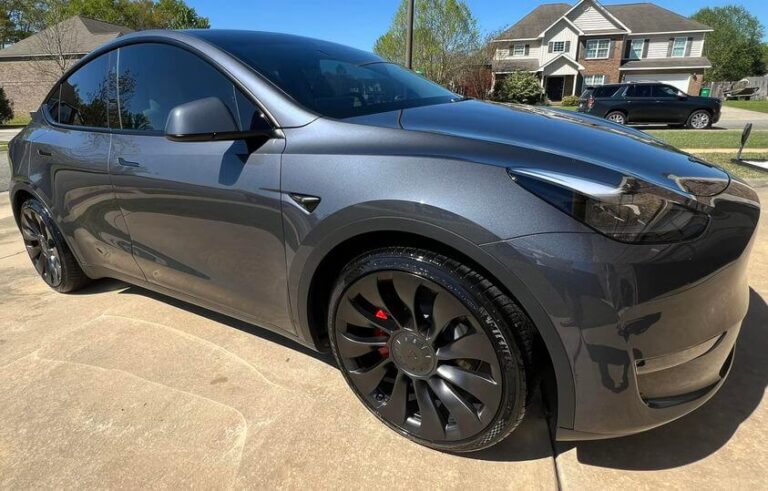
{"x": 383, "y": 350}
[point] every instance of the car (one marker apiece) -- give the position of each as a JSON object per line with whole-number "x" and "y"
{"x": 454, "y": 255}
{"x": 650, "y": 103}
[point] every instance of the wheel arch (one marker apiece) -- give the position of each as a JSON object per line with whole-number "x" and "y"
{"x": 311, "y": 293}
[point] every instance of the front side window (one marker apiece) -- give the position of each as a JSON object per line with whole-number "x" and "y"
{"x": 594, "y": 80}
{"x": 558, "y": 46}
{"x": 636, "y": 49}
{"x": 84, "y": 97}
{"x": 679, "y": 46}
{"x": 641, "y": 91}
{"x": 154, "y": 78}
{"x": 665, "y": 91}
{"x": 597, "y": 48}
{"x": 519, "y": 50}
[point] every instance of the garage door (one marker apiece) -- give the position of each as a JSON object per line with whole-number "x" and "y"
{"x": 679, "y": 80}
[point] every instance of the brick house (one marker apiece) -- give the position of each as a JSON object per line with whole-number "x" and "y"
{"x": 573, "y": 46}
{"x": 29, "y": 68}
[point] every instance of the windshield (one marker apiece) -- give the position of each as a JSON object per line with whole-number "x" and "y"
{"x": 336, "y": 81}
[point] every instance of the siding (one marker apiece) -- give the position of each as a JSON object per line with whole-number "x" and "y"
{"x": 658, "y": 45}
{"x": 505, "y": 52}
{"x": 560, "y": 32}
{"x": 588, "y": 18}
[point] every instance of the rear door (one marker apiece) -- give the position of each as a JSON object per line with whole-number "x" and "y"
{"x": 70, "y": 156}
{"x": 669, "y": 107}
{"x": 204, "y": 217}
{"x": 640, "y": 104}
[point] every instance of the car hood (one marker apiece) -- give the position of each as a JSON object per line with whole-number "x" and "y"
{"x": 585, "y": 141}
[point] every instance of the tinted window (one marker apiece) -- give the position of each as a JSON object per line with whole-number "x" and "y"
{"x": 331, "y": 79}
{"x": 85, "y": 95}
{"x": 608, "y": 91}
{"x": 155, "y": 78}
{"x": 664, "y": 91}
{"x": 640, "y": 91}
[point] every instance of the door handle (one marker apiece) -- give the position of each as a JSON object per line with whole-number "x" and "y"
{"x": 43, "y": 153}
{"x": 127, "y": 163}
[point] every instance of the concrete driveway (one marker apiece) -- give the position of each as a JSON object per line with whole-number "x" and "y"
{"x": 119, "y": 387}
{"x": 734, "y": 118}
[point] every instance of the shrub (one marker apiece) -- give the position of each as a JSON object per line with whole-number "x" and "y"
{"x": 570, "y": 100}
{"x": 520, "y": 87}
{"x": 6, "y": 107}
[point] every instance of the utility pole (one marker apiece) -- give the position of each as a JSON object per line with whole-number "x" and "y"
{"x": 409, "y": 37}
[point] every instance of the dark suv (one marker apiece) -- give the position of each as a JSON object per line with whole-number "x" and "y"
{"x": 650, "y": 103}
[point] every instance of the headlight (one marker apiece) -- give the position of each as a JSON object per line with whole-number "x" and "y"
{"x": 627, "y": 210}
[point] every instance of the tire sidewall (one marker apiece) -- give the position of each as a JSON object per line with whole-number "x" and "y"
{"x": 38, "y": 207}
{"x": 488, "y": 317}
{"x": 694, "y": 113}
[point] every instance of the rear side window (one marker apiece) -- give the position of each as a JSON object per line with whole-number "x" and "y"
{"x": 155, "y": 78}
{"x": 606, "y": 91}
{"x": 83, "y": 99}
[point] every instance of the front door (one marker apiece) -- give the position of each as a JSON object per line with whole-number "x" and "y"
{"x": 555, "y": 87}
{"x": 204, "y": 217}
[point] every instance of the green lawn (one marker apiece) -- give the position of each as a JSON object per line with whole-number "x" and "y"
{"x": 16, "y": 122}
{"x": 3, "y": 147}
{"x": 725, "y": 162}
{"x": 760, "y": 106}
{"x": 566, "y": 108}
{"x": 710, "y": 138}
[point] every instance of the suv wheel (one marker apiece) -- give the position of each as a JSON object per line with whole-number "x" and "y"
{"x": 699, "y": 120}
{"x": 616, "y": 117}
{"x": 47, "y": 249}
{"x": 432, "y": 348}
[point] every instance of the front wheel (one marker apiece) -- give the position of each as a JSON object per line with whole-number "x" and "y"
{"x": 699, "y": 120}
{"x": 616, "y": 117}
{"x": 432, "y": 348}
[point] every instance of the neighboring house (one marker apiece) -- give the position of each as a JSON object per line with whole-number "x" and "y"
{"x": 574, "y": 46}
{"x": 29, "y": 68}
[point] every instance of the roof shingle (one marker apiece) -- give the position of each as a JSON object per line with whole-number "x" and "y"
{"x": 534, "y": 23}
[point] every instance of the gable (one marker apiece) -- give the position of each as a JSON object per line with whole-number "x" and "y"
{"x": 588, "y": 18}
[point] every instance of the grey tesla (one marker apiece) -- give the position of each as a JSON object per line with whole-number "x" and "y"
{"x": 453, "y": 255}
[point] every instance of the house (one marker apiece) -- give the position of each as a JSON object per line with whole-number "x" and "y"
{"x": 573, "y": 46}
{"x": 29, "y": 68}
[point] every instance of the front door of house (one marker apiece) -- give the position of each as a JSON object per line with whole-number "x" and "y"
{"x": 555, "y": 86}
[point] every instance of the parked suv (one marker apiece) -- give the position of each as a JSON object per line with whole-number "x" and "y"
{"x": 650, "y": 103}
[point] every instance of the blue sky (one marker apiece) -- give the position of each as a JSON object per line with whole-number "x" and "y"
{"x": 359, "y": 22}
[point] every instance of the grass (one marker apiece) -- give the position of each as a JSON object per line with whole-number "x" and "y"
{"x": 725, "y": 162}
{"x": 760, "y": 106}
{"x": 710, "y": 138}
{"x": 3, "y": 147}
{"x": 16, "y": 122}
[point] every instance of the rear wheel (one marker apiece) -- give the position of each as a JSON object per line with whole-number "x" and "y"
{"x": 49, "y": 253}
{"x": 432, "y": 348}
{"x": 699, "y": 120}
{"x": 617, "y": 117}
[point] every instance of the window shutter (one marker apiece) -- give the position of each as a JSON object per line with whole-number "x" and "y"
{"x": 646, "y": 42}
{"x": 567, "y": 46}
{"x": 610, "y": 48}
{"x": 582, "y": 50}
{"x": 669, "y": 47}
{"x": 688, "y": 47}
{"x": 551, "y": 47}
{"x": 527, "y": 49}
{"x": 628, "y": 48}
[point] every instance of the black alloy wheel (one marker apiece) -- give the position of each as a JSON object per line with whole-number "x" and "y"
{"x": 420, "y": 358}
{"x": 50, "y": 255}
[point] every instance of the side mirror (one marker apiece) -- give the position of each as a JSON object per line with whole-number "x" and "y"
{"x": 207, "y": 119}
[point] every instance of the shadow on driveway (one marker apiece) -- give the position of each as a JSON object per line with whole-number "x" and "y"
{"x": 707, "y": 429}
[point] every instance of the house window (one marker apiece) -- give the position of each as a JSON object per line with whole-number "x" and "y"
{"x": 679, "y": 46}
{"x": 597, "y": 48}
{"x": 594, "y": 80}
{"x": 558, "y": 46}
{"x": 636, "y": 49}
{"x": 518, "y": 50}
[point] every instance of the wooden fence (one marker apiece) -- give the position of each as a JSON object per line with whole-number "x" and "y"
{"x": 719, "y": 88}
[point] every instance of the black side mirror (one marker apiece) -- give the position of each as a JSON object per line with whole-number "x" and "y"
{"x": 207, "y": 119}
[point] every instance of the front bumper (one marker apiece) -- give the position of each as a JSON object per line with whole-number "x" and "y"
{"x": 649, "y": 330}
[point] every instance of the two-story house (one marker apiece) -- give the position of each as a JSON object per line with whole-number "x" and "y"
{"x": 573, "y": 46}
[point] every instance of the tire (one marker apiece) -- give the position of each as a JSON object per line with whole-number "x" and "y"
{"x": 47, "y": 249}
{"x": 699, "y": 120}
{"x": 617, "y": 117}
{"x": 432, "y": 348}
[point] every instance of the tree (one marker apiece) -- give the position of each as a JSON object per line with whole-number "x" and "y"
{"x": 735, "y": 46}
{"x": 445, "y": 35}
{"x": 520, "y": 87}
{"x": 6, "y": 107}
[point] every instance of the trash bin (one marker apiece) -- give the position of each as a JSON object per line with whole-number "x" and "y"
{"x": 705, "y": 91}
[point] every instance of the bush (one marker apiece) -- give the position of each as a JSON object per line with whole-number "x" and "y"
{"x": 6, "y": 107}
{"x": 520, "y": 87}
{"x": 570, "y": 100}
